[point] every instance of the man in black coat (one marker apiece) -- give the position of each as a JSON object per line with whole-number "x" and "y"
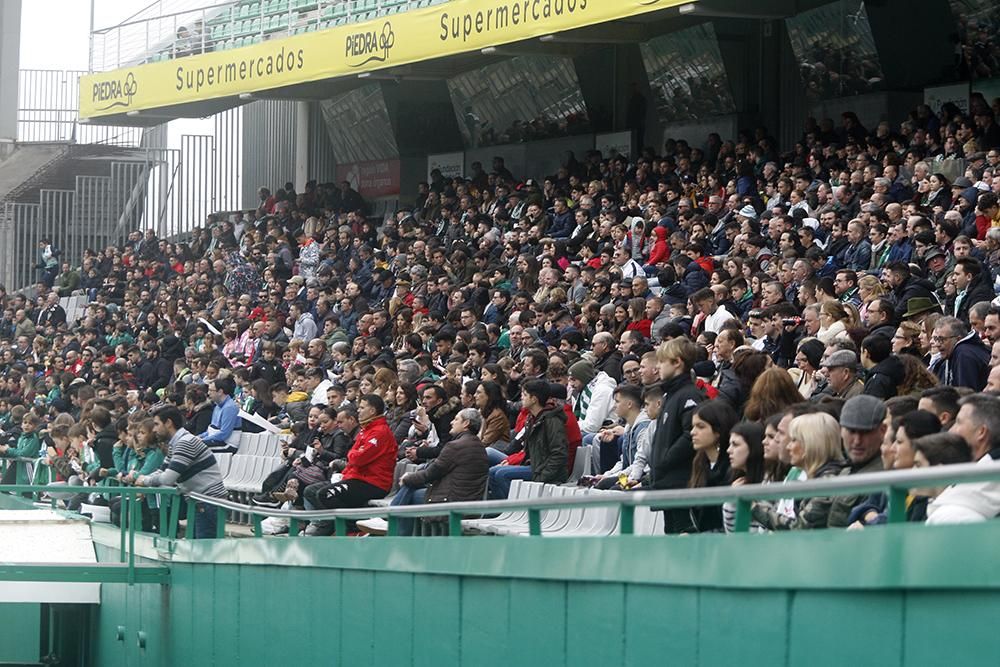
{"x": 672, "y": 451}
{"x": 972, "y": 286}
{"x": 52, "y": 315}
{"x": 905, "y": 287}
{"x": 607, "y": 356}
{"x": 153, "y": 372}
{"x": 885, "y": 370}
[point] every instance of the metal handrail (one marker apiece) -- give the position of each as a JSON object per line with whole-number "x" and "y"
{"x": 894, "y": 483}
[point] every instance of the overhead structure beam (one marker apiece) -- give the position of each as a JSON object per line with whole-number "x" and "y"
{"x": 737, "y": 9}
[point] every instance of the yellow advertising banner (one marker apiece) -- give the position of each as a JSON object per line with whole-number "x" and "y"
{"x": 454, "y": 27}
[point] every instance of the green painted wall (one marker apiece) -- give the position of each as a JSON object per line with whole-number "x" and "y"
{"x": 903, "y": 595}
{"x": 22, "y": 621}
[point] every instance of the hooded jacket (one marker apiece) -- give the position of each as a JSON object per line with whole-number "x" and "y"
{"x": 968, "y": 365}
{"x": 885, "y": 377}
{"x": 660, "y": 251}
{"x": 694, "y": 278}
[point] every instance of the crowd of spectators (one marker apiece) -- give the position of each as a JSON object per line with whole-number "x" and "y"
{"x": 700, "y": 316}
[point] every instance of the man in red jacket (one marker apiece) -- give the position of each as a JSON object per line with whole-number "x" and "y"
{"x": 368, "y": 474}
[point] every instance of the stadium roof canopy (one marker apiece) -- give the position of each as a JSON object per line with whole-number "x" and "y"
{"x": 434, "y": 42}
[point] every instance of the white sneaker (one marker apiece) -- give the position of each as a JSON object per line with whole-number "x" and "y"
{"x": 374, "y": 526}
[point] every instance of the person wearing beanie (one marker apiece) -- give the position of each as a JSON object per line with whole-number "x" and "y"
{"x": 592, "y": 398}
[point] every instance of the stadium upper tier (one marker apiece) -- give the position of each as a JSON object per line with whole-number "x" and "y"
{"x": 198, "y": 63}
{"x": 220, "y": 27}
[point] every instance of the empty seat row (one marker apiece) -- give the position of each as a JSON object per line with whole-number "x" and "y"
{"x": 75, "y": 307}
{"x": 594, "y": 521}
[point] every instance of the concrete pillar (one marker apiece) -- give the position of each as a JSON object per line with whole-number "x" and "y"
{"x": 10, "y": 47}
{"x": 301, "y": 145}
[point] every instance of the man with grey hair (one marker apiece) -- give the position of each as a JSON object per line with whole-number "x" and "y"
{"x": 607, "y": 357}
{"x": 959, "y": 356}
{"x": 459, "y": 473}
{"x": 409, "y": 371}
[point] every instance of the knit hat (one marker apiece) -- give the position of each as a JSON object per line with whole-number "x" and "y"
{"x": 748, "y": 211}
{"x": 583, "y": 371}
{"x": 813, "y": 351}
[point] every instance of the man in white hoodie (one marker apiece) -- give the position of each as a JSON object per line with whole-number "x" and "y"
{"x": 978, "y": 421}
{"x": 592, "y": 397}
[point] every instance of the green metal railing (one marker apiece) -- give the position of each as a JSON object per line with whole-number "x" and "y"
{"x": 895, "y": 484}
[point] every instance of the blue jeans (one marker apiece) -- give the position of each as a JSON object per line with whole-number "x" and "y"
{"x": 495, "y": 456}
{"x": 502, "y": 476}
{"x": 206, "y": 520}
{"x": 408, "y": 495}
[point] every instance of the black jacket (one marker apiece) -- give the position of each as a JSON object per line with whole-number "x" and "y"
{"x": 979, "y": 290}
{"x": 153, "y": 374}
{"x": 708, "y": 519}
{"x": 611, "y": 363}
{"x": 458, "y": 473}
{"x": 672, "y": 452}
{"x": 201, "y": 418}
{"x": 271, "y": 371}
{"x": 913, "y": 287}
{"x": 104, "y": 446}
{"x": 885, "y": 377}
{"x": 440, "y": 417}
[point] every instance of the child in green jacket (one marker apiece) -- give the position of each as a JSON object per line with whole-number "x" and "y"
{"x": 29, "y": 445}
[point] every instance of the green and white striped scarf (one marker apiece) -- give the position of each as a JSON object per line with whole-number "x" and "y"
{"x": 582, "y": 403}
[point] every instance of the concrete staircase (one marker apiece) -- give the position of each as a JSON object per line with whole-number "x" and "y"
{"x": 74, "y": 194}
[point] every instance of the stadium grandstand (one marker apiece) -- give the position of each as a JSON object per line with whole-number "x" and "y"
{"x": 493, "y": 328}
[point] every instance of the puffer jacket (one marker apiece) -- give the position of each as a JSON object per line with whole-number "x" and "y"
{"x": 458, "y": 473}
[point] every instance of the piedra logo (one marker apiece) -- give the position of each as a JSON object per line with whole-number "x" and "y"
{"x": 370, "y": 46}
{"x": 114, "y": 93}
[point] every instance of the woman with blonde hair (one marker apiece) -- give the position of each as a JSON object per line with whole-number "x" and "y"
{"x": 907, "y": 340}
{"x": 832, "y": 321}
{"x": 814, "y": 445}
{"x": 869, "y": 289}
{"x": 384, "y": 384}
{"x": 927, "y": 330}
